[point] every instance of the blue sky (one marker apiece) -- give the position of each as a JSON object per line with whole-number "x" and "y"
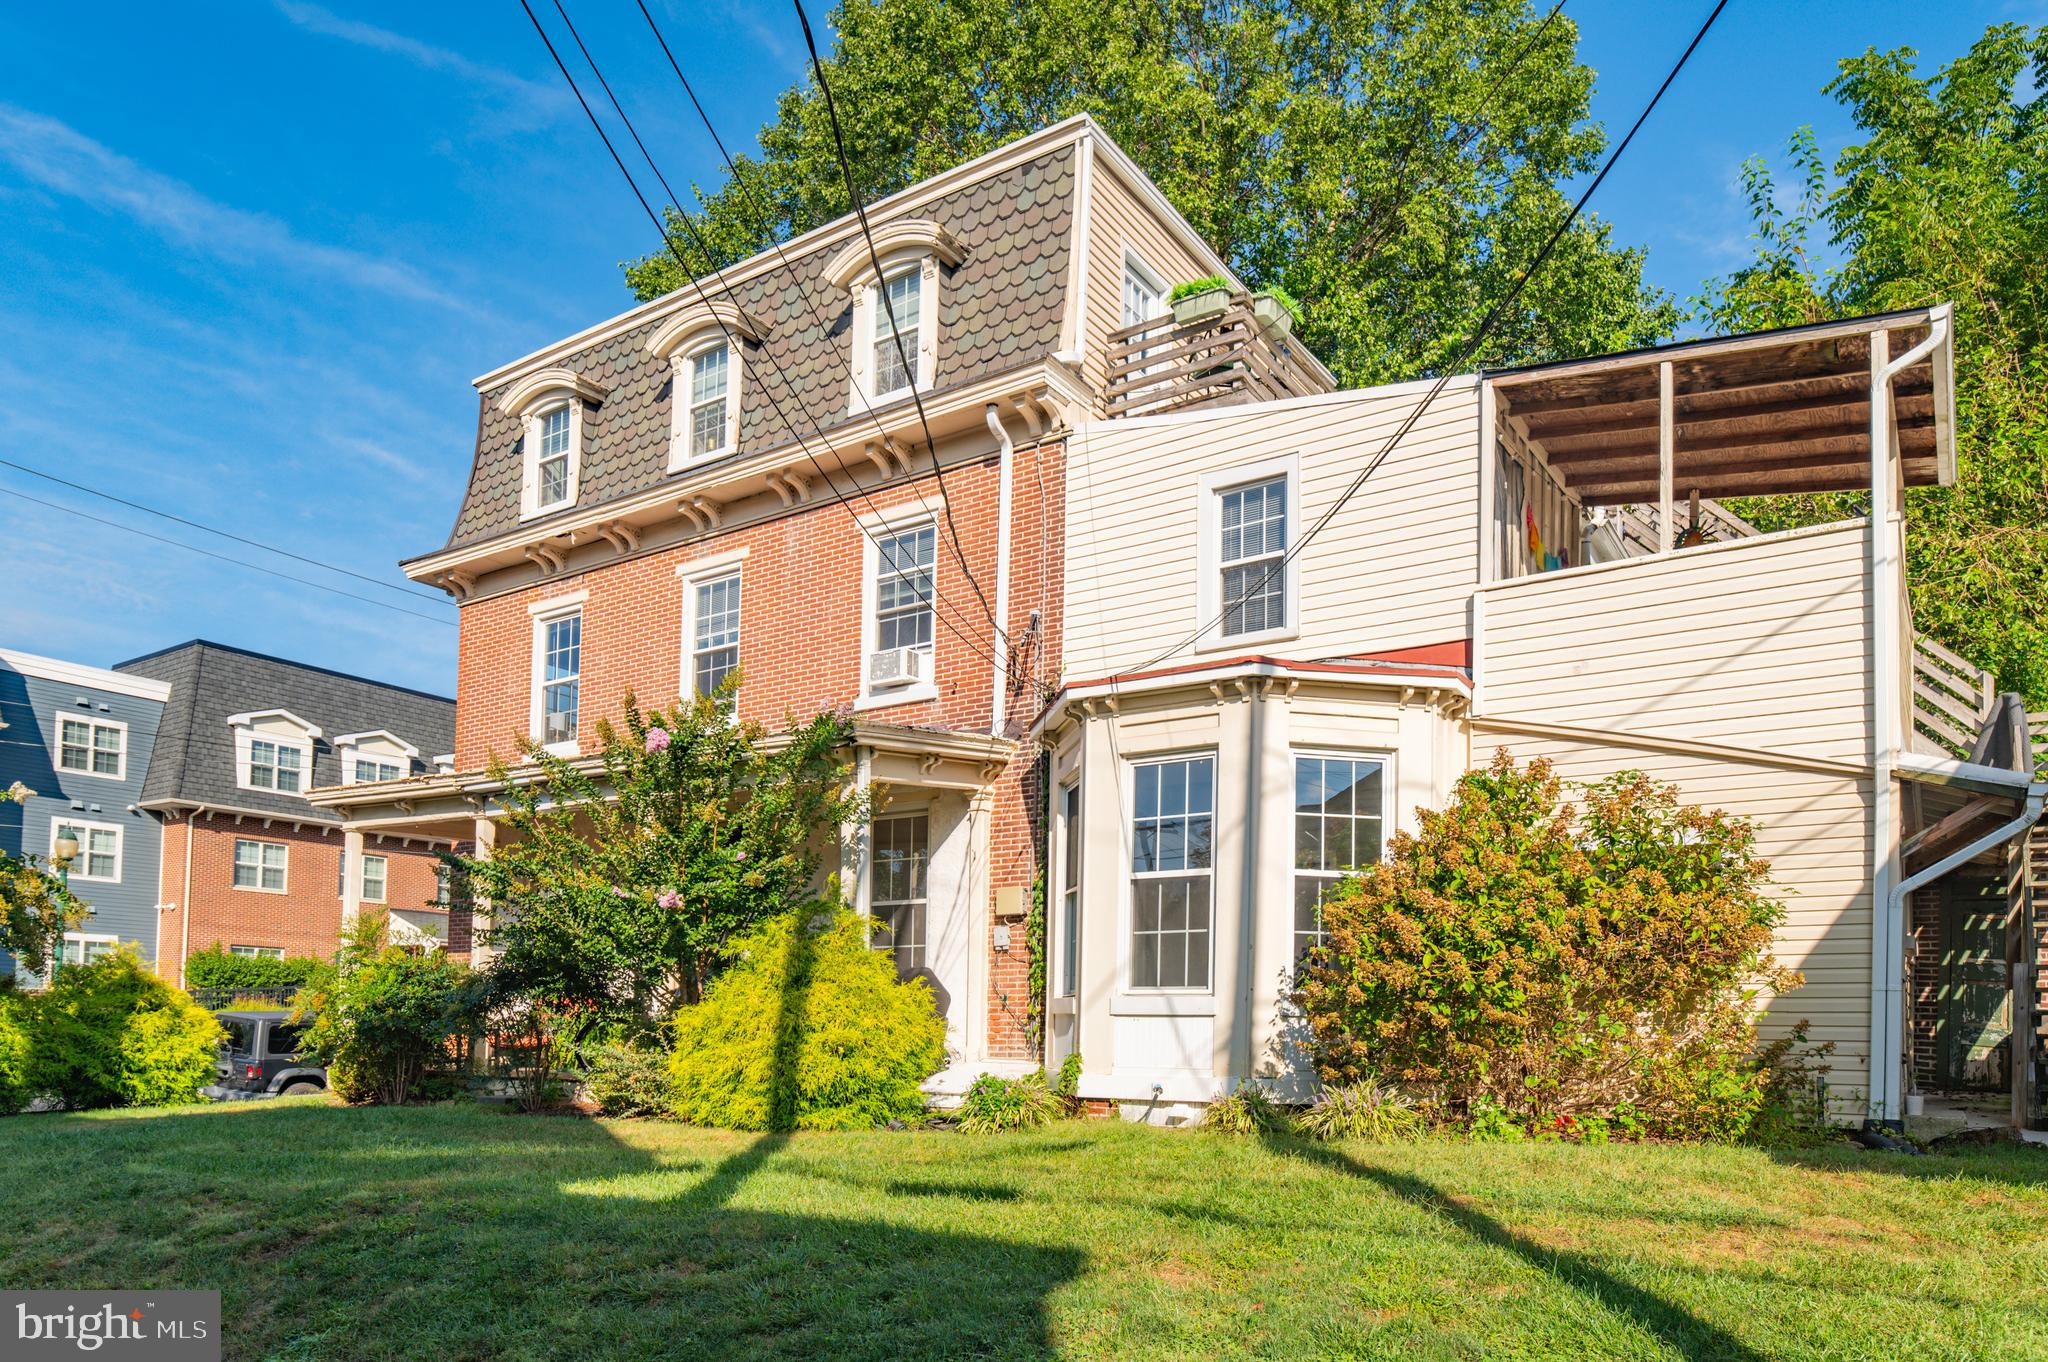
{"x": 252, "y": 261}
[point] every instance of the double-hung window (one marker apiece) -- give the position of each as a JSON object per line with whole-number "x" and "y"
{"x": 1172, "y": 837}
{"x": 375, "y": 870}
{"x": 260, "y": 865}
{"x": 369, "y": 770}
{"x": 93, "y": 747}
{"x": 275, "y": 766}
{"x": 710, "y": 421}
{"x": 899, "y": 303}
{"x": 899, "y": 894}
{"x": 82, "y": 948}
{"x": 557, "y": 673}
{"x": 1070, "y": 890}
{"x": 715, "y": 632}
{"x": 1339, "y": 816}
{"x": 1253, "y": 539}
{"x": 551, "y": 465}
{"x": 258, "y": 952}
{"x": 99, "y": 849}
{"x": 901, "y": 610}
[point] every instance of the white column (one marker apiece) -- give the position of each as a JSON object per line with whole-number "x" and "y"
{"x": 1887, "y": 956}
{"x": 856, "y": 838}
{"x": 351, "y": 877}
{"x": 485, "y": 835}
{"x": 1667, "y": 457}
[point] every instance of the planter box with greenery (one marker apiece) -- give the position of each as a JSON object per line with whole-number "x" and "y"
{"x": 1198, "y": 300}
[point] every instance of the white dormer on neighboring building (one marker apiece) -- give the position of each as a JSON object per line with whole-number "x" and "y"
{"x": 273, "y": 751}
{"x": 373, "y": 756}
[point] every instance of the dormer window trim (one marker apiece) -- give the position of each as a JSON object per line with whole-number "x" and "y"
{"x": 549, "y": 406}
{"x": 686, "y": 340}
{"x": 379, "y": 745}
{"x": 900, "y": 248}
{"x": 283, "y": 763}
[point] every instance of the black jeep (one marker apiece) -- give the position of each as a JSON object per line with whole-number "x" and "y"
{"x": 260, "y": 1058}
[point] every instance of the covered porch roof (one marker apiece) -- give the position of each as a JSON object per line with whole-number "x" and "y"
{"x": 1771, "y": 413}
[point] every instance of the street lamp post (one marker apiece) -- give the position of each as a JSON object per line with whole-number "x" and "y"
{"x": 65, "y": 852}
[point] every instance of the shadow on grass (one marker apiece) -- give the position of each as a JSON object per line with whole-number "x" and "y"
{"x": 420, "y": 1234}
{"x": 2017, "y": 1163}
{"x": 1670, "y": 1323}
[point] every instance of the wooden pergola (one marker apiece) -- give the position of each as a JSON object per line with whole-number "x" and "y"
{"x": 1776, "y": 412}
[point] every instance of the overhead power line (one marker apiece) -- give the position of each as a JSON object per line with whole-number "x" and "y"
{"x": 860, "y": 213}
{"x": 1464, "y": 357}
{"x": 669, "y": 242}
{"x": 224, "y": 558}
{"x": 224, "y": 534}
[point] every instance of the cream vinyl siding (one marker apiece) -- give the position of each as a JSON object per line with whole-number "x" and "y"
{"x": 1395, "y": 569}
{"x": 1118, "y": 220}
{"x": 1814, "y": 829}
{"x": 1761, "y": 643}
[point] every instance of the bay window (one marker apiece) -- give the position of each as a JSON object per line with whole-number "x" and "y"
{"x": 1172, "y": 844}
{"x": 1339, "y": 817}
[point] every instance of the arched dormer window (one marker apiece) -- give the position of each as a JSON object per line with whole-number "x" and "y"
{"x": 549, "y": 407}
{"x": 273, "y": 751}
{"x": 895, "y": 307}
{"x": 706, "y": 349}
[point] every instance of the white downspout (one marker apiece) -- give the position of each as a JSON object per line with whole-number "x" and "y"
{"x": 185, "y": 912}
{"x": 999, "y": 689}
{"x": 1888, "y": 948}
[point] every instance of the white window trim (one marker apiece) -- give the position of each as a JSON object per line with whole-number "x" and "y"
{"x": 85, "y": 939}
{"x": 1070, "y": 804}
{"x": 257, "y": 888}
{"x": 1385, "y": 757}
{"x": 867, "y": 308}
{"x": 95, "y": 721}
{"x": 363, "y": 877}
{"x": 1209, "y": 587}
{"x": 1153, "y": 279}
{"x": 244, "y": 726}
{"x": 80, "y": 866}
{"x": 680, "y": 362}
{"x": 349, "y": 746}
{"x": 529, "y": 401}
{"x": 257, "y": 952}
{"x": 876, "y": 526}
{"x": 1183, "y": 1001}
{"x": 544, "y": 613}
{"x": 691, "y": 575}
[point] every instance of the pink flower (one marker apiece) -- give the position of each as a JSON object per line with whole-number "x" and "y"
{"x": 617, "y": 892}
{"x": 657, "y": 741}
{"x": 670, "y": 899}
{"x": 740, "y": 856}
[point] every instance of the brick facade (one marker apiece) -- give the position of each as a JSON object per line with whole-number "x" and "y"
{"x": 303, "y": 920}
{"x": 803, "y": 602}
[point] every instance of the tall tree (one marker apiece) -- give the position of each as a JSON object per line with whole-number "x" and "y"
{"x": 1945, "y": 199}
{"x": 1391, "y": 163}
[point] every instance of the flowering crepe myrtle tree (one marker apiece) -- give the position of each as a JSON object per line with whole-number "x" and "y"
{"x": 613, "y": 890}
{"x": 36, "y": 908}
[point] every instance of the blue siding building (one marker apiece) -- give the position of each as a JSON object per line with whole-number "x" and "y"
{"x": 82, "y": 739}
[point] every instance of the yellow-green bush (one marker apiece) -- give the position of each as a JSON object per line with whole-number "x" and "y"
{"x": 14, "y": 1089}
{"x": 806, "y": 1029}
{"x": 113, "y": 1034}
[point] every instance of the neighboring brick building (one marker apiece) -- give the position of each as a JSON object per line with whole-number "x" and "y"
{"x": 751, "y": 472}
{"x": 247, "y": 862}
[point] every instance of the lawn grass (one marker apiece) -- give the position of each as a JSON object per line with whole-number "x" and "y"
{"x": 456, "y": 1232}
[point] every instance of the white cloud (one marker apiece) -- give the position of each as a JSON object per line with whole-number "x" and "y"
{"x": 65, "y": 161}
{"x": 543, "y": 101}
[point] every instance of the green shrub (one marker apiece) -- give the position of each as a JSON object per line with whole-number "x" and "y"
{"x": 1521, "y": 959}
{"x": 218, "y": 967}
{"x": 1247, "y": 1111}
{"x": 113, "y": 1034}
{"x": 15, "y": 1094}
{"x": 385, "y": 1016}
{"x": 1068, "y": 1084}
{"x": 1191, "y": 287}
{"x": 807, "y": 1029}
{"x": 994, "y": 1103}
{"x": 1362, "y": 1111}
{"x": 628, "y": 1080}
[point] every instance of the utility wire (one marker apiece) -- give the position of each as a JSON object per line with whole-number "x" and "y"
{"x": 1465, "y": 356}
{"x": 221, "y": 557}
{"x": 860, "y": 212}
{"x": 661, "y": 228}
{"x": 224, "y": 534}
{"x": 765, "y": 221}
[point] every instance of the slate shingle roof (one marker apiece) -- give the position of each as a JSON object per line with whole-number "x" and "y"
{"x": 194, "y": 760}
{"x": 1001, "y": 305}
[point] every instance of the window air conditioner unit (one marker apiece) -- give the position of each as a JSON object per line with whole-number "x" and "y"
{"x": 896, "y": 667}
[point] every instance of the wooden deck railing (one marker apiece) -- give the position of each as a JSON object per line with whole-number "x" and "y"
{"x": 1951, "y": 697}
{"x": 1162, "y": 365}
